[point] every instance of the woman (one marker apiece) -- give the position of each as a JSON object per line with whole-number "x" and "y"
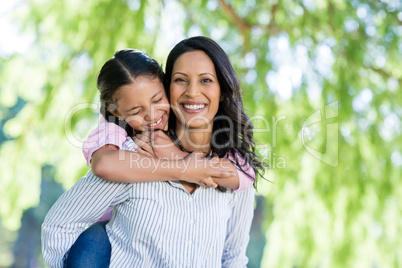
{"x": 129, "y": 97}
{"x": 171, "y": 223}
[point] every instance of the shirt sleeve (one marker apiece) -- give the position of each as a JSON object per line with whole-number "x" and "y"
{"x": 105, "y": 133}
{"x": 76, "y": 209}
{"x": 246, "y": 180}
{"x": 238, "y": 230}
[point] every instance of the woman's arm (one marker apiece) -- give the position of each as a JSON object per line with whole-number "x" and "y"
{"x": 238, "y": 230}
{"x": 76, "y": 209}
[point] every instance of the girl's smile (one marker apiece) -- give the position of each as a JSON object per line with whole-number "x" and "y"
{"x": 143, "y": 104}
{"x": 158, "y": 123}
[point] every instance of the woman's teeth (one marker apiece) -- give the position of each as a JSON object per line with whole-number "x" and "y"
{"x": 193, "y": 107}
{"x": 156, "y": 123}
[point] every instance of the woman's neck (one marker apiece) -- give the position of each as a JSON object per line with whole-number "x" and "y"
{"x": 194, "y": 139}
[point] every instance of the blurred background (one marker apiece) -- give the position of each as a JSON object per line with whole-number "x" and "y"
{"x": 321, "y": 83}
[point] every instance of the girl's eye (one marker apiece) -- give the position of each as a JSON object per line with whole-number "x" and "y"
{"x": 158, "y": 100}
{"x": 135, "y": 113}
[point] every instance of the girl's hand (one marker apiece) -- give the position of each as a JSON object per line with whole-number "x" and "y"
{"x": 195, "y": 167}
{"x": 143, "y": 142}
{"x": 200, "y": 170}
{"x": 159, "y": 145}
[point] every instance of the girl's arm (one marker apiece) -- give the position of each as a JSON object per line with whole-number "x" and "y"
{"x": 106, "y": 164}
{"x": 245, "y": 175}
{"x": 112, "y": 166}
{"x": 126, "y": 166}
{"x": 106, "y": 134}
{"x": 242, "y": 178}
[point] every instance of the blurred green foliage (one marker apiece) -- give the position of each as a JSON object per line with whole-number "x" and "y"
{"x": 321, "y": 81}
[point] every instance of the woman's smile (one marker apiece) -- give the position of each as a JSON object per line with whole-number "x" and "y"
{"x": 193, "y": 107}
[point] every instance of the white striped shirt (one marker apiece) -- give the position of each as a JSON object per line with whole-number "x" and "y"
{"x": 154, "y": 224}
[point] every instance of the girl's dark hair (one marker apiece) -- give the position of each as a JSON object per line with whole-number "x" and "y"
{"x": 232, "y": 129}
{"x": 122, "y": 69}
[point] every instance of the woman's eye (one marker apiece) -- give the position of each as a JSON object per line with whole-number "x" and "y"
{"x": 206, "y": 80}
{"x": 158, "y": 100}
{"x": 178, "y": 80}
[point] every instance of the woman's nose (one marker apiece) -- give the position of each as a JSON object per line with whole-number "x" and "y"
{"x": 192, "y": 90}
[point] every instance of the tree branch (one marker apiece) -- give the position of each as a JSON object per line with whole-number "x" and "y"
{"x": 239, "y": 22}
{"x": 245, "y": 26}
{"x": 385, "y": 74}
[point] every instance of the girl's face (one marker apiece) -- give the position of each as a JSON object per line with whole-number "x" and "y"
{"x": 194, "y": 90}
{"x": 143, "y": 104}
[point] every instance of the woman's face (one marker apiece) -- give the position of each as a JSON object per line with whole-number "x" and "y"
{"x": 143, "y": 104}
{"x": 194, "y": 90}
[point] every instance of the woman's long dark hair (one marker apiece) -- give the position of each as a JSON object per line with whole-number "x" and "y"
{"x": 121, "y": 70}
{"x": 232, "y": 129}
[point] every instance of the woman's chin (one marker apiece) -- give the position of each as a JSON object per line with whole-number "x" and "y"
{"x": 199, "y": 125}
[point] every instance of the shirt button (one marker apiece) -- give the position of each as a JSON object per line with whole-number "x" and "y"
{"x": 191, "y": 221}
{"x": 189, "y": 242}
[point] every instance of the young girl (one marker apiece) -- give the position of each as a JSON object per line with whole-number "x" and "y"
{"x": 126, "y": 196}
